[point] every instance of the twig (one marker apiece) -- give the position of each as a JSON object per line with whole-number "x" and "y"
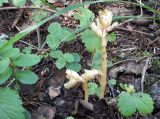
{"x": 13, "y": 79}
{"x": 134, "y": 60}
{"x": 10, "y": 82}
{"x": 20, "y": 12}
{"x": 28, "y": 44}
{"x": 38, "y": 39}
{"x": 27, "y": 7}
{"x": 144, "y": 72}
{"x": 134, "y": 31}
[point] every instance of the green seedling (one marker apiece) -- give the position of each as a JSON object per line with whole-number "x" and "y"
{"x": 130, "y": 101}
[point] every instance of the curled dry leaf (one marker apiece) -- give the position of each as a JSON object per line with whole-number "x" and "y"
{"x": 54, "y": 92}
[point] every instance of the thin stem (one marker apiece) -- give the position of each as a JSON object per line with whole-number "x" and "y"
{"x": 38, "y": 39}
{"x": 103, "y": 81}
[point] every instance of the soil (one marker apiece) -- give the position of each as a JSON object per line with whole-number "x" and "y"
{"x": 133, "y": 39}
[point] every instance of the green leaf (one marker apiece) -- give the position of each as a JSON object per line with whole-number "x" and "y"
{"x": 10, "y": 104}
{"x": 91, "y": 40}
{"x": 4, "y": 63}
{"x": 96, "y": 60}
{"x": 56, "y": 54}
{"x": 92, "y": 88}
{"x": 27, "y": 114}
{"x": 70, "y": 117}
{"x": 68, "y": 57}
{"x": 73, "y": 66}
{"x": 19, "y": 2}
{"x": 54, "y": 28}
{"x": 5, "y": 75}
{"x": 67, "y": 35}
{"x": 109, "y": 64}
{"x": 112, "y": 82}
{"x": 52, "y": 41}
{"x": 111, "y": 37}
{"x": 128, "y": 103}
{"x": 9, "y": 52}
{"x": 85, "y": 16}
{"x": 38, "y": 15}
{"x": 76, "y": 56}
{"x": 26, "y": 77}
{"x": 60, "y": 63}
{"x": 26, "y": 60}
{"x": 27, "y": 50}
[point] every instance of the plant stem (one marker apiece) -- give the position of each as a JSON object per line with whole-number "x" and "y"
{"x": 85, "y": 88}
{"x": 103, "y": 81}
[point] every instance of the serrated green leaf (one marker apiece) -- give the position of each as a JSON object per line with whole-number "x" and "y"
{"x": 10, "y": 104}
{"x": 5, "y": 75}
{"x": 68, "y": 57}
{"x": 26, "y": 60}
{"x": 56, "y": 54}
{"x": 52, "y": 41}
{"x": 67, "y": 35}
{"x": 19, "y": 2}
{"x": 76, "y": 56}
{"x": 92, "y": 87}
{"x": 54, "y": 28}
{"x": 37, "y": 2}
{"x": 111, "y": 37}
{"x": 73, "y": 66}
{"x": 128, "y": 103}
{"x": 144, "y": 103}
{"x": 38, "y": 15}
{"x": 4, "y": 63}
{"x": 91, "y": 40}
{"x": 26, "y": 77}
{"x": 60, "y": 62}
{"x": 96, "y": 60}
{"x": 85, "y": 16}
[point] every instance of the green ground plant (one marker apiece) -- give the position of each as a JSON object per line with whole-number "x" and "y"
{"x": 16, "y": 65}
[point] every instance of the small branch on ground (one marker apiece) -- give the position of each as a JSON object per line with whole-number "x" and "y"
{"x": 20, "y": 13}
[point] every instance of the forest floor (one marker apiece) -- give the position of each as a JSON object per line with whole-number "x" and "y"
{"x": 130, "y": 54}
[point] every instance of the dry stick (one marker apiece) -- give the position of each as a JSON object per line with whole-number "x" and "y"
{"x": 20, "y": 12}
{"x": 38, "y": 39}
{"x": 133, "y": 31}
{"x": 13, "y": 79}
{"x": 103, "y": 81}
{"x": 27, "y": 7}
{"x": 144, "y": 72}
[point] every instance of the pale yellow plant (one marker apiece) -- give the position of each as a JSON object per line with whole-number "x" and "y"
{"x": 101, "y": 27}
{"x": 74, "y": 78}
